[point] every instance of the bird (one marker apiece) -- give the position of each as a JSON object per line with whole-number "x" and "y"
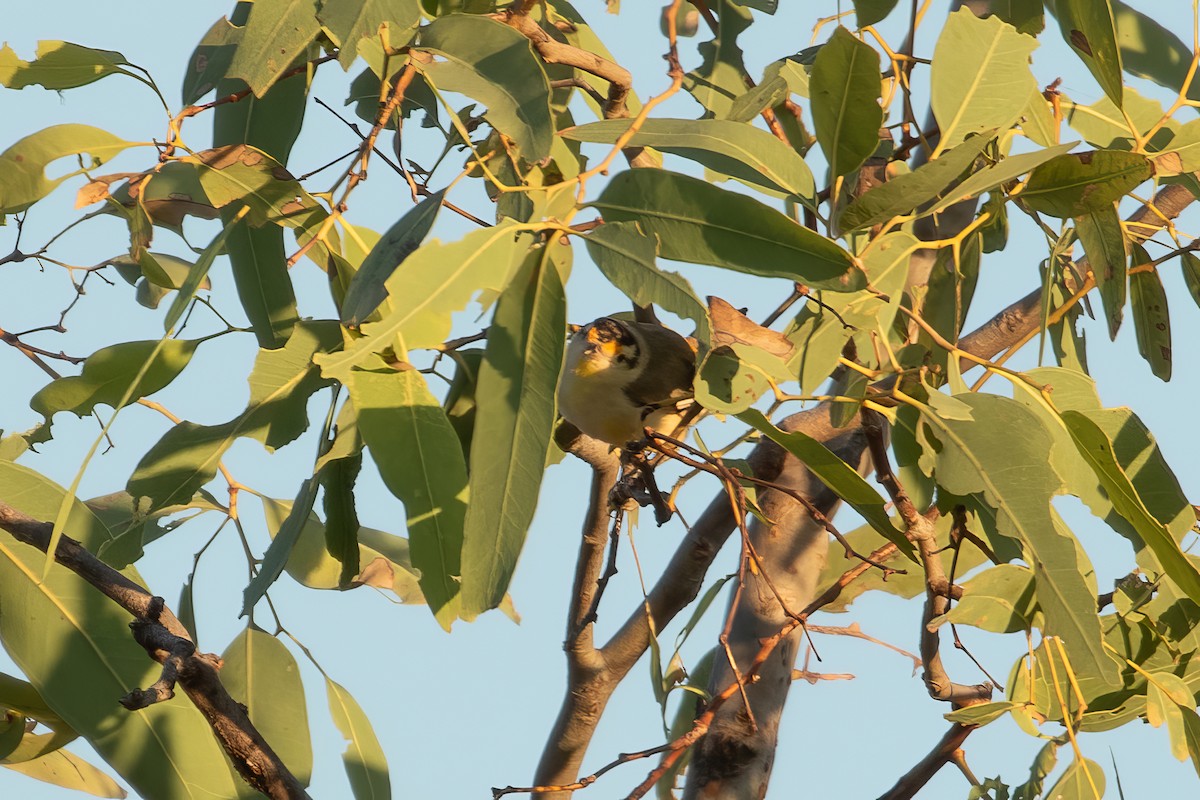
{"x": 621, "y": 377}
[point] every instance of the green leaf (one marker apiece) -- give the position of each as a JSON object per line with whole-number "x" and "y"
{"x": 733, "y": 148}
{"x": 992, "y": 177}
{"x": 186, "y": 457}
{"x": 1103, "y": 125}
{"x": 76, "y": 650}
{"x": 276, "y": 34}
{"x": 106, "y": 378}
{"x": 1027, "y": 16}
{"x": 1104, "y": 244}
{"x": 349, "y": 23}
{"x": 844, "y": 87}
{"x": 241, "y": 173}
{"x": 384, "y": 557}
{"x": 211, "y": 59}
{"x": 514, "y": 426}
{"x": 768, "y": 94}
{"x": 367, "y": 288}
{"x": 337, "y": 478}
{"x": 1037, "y": 120}
{"x": 1090, "y": 30}
{"x": 436, "y": 281}
{"x": 1082, "y": 780}
{"x": 280, "y": 549}
{"x": 720, "y": 78}
{"x": 365, "y": 760}
{"x": 196, "y": 277}
{"x": 980, "y": 79}
{"x": 492, "y": 63}
{"x": 904, "y": 193}
{"x": 1152, "y": 51}
{"x": 253, "y": 139}
{"x": 834, "y": 473}
{"x": 421, "y": 463}
{"x": 1182, "y": 153}
{"x": 23, "y": 178}
{"x": 1097, "y": 449}
{"x": 1020, "y": 492}
{"x": 819, "y": 335}
{"x": 1080, "y": 183}
{"x": 999, "y": 599}
{"x": 60, "y": 65}
{"x": 869, "y": 12}
{"x": 69, "y": 771}
{"x": 626, "y": 257}
{"x": 1151, "y": 321}
{"x": 981, "y": 713}
{"x": 704, "y": 224}
{"x": 1189, "y": 263}
{"x": 262, "y": 675}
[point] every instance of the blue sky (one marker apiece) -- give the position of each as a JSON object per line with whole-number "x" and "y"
{"x": 462, "y": 712}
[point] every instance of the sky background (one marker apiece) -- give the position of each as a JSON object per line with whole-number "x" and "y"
{"x": 460, "y": 713}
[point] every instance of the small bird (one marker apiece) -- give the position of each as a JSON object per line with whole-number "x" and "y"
{"x": 621, "y": 377}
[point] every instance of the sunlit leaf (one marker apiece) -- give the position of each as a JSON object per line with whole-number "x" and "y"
{"x": 1083, "y": 780}
{"x": 1020, "y": 495}
{"x": 422, "y": 464}
{"x": 262, "y": 675}
{"x": 76, "y": 649}
{"x": 106, "y": 378}
{"x": 60, "y": 65}
{"x": 904, "y": 193}
{"x": 23, "y": 178}
{"x": 276, "y": 34}
{"x": 999, "y": 599}
{"x": 364, "y": 758}
{"x": 1097, "y": 449}
{"x": 1080, "y": 183}
{"x": 69, "y": 771}
{"x": 436, "y": 281}
{"x": 980, "y": 78}
{"x": 515, "y": 422}
{"x": 186, "y": 457}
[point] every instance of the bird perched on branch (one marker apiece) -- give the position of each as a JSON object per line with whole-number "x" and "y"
{"x": 623, "y": 376}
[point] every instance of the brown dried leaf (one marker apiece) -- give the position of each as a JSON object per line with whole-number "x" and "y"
{"x": 731, "y": 326}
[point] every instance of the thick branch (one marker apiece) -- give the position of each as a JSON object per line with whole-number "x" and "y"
{"x": 1025, "y": 315}
{"x": 168, "y": 642}
{"x": 620, "y": 80}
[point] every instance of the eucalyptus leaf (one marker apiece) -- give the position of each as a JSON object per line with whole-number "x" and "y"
{"x": 704, "y": 224}
{"x": 514, "y": 424}
{"x": 980, "y": 78}
{"x": 844, "y": 88}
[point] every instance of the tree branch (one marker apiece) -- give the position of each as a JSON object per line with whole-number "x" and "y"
{"x": 167, "y": 641}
